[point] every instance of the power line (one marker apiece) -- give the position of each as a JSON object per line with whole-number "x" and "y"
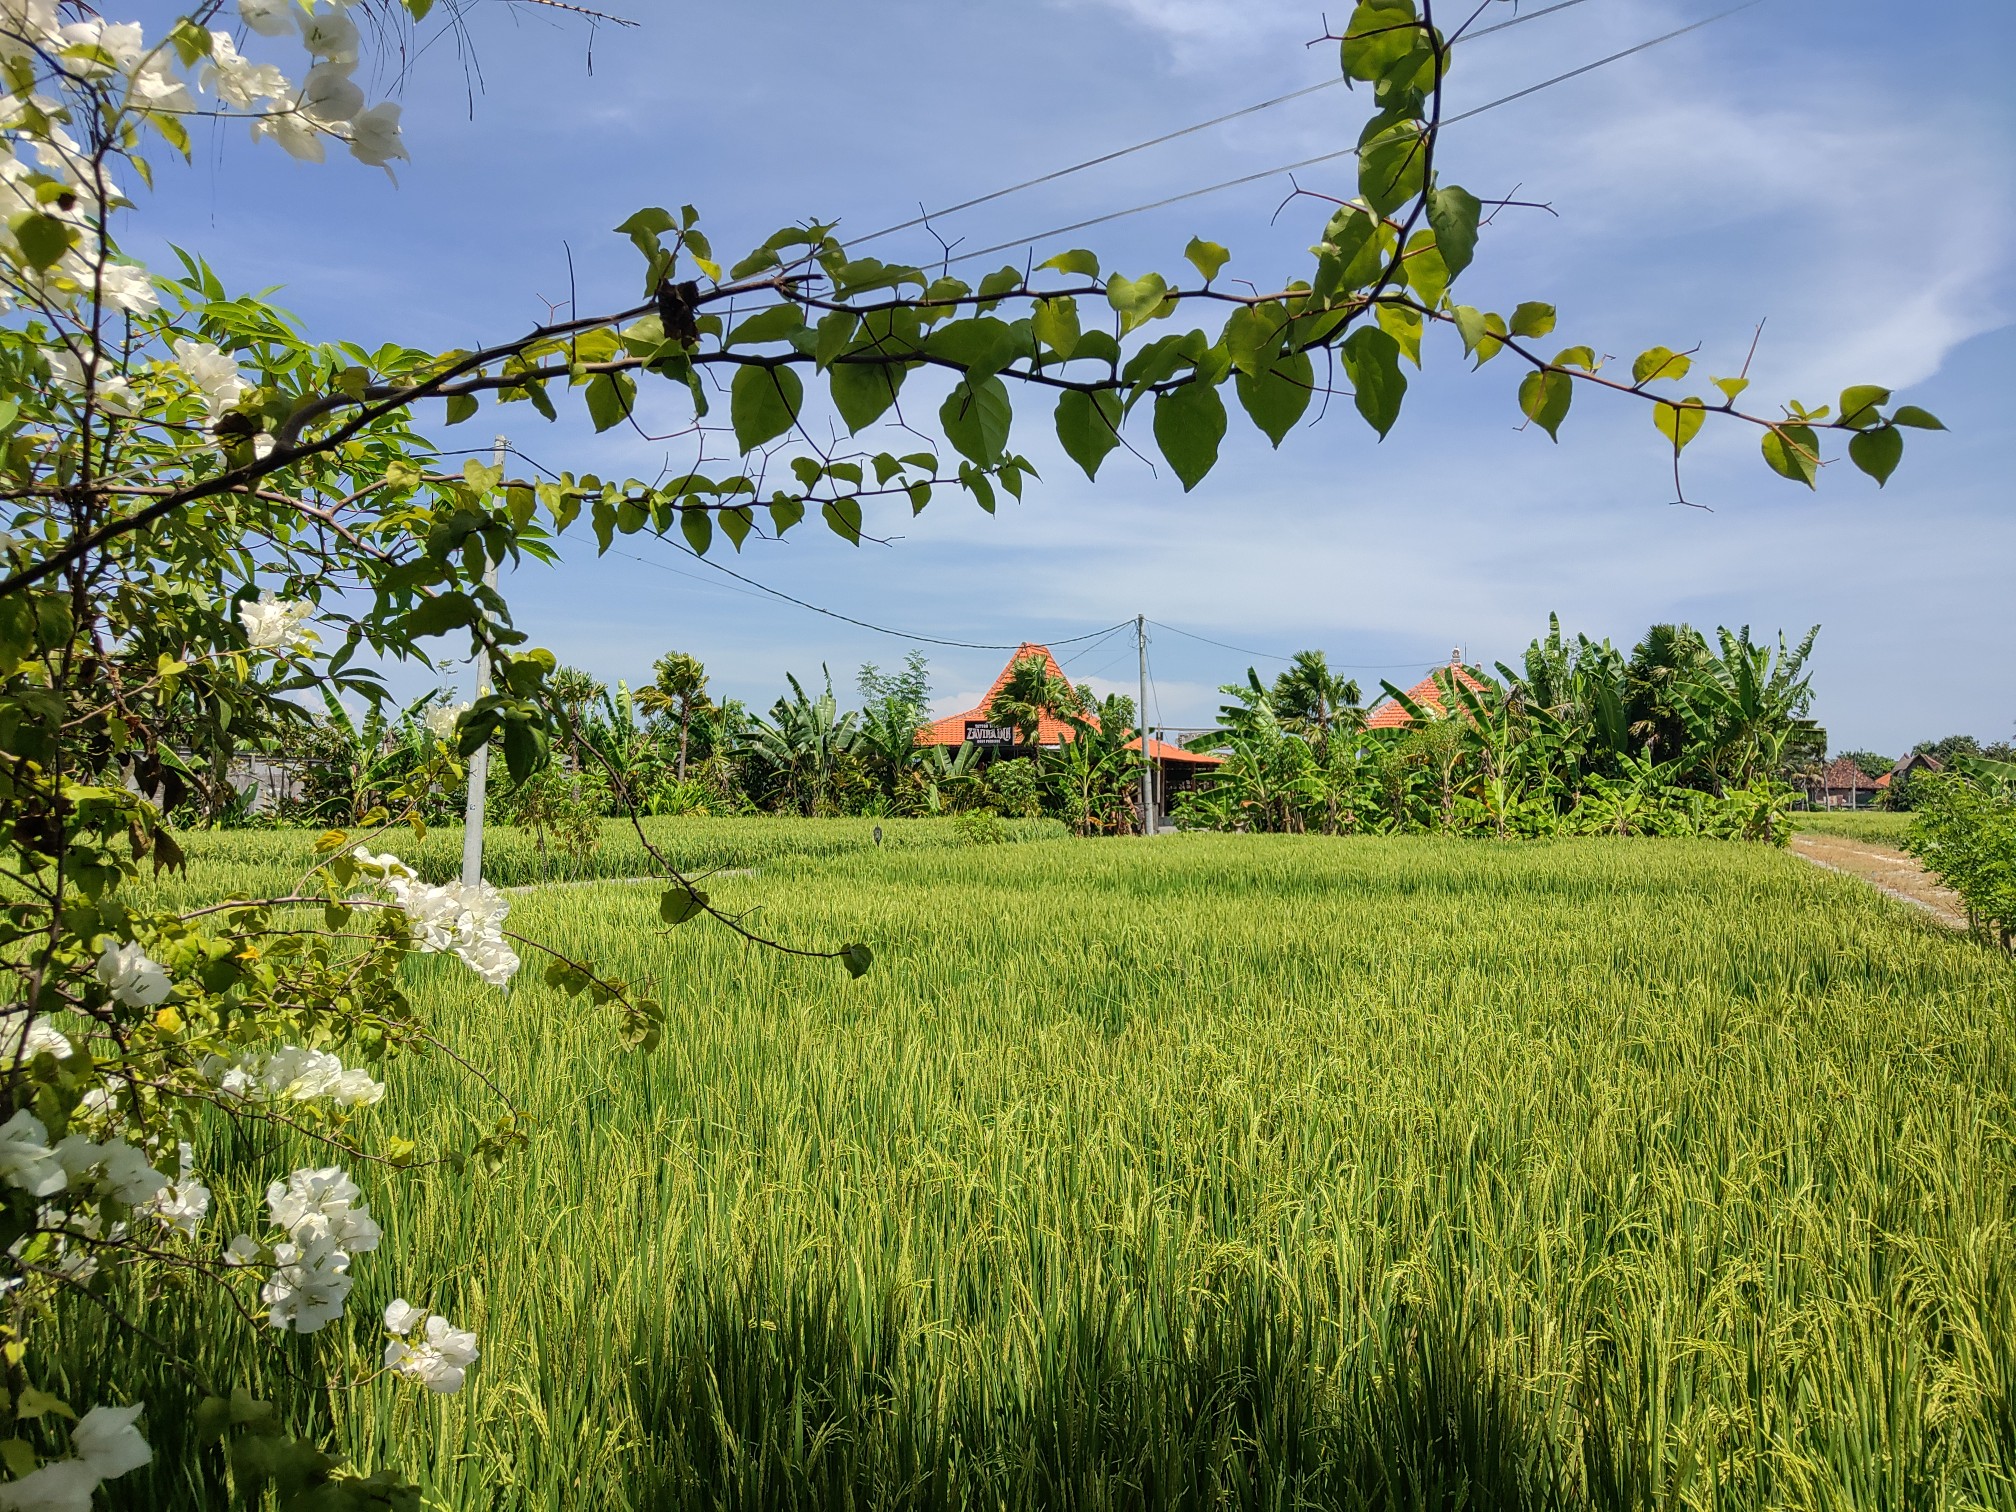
{"x": 1331, "y": 157}
{"x": 931, "y": 640}
{"x": 1169, "y": 136}
{"x": 1273, "y": 656}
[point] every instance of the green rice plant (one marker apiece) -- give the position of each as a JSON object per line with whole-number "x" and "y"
{"x": 1878, "y": 826}
{"x": 1210, "y": 1171}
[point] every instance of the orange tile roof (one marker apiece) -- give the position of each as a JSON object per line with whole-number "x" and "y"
{"x": 1391, "y": 715}
{"x": 951, "y": 730}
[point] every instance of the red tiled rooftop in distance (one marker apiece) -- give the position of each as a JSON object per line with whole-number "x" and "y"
{"x": 951, "y": 730}
{"x": 1390, "y": 715}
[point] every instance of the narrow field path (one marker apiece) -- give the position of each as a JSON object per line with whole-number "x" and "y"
{"x": 1885, "y": 869}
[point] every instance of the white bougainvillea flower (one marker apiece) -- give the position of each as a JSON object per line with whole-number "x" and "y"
{"x": 213, "y": 372}
{"x": 329, "y": 35}
{"x": 491, "y": 959}
{"x": 438, "y": 1357}
{"x": 277, "y": 624}
{"x": 442, "y": 719}
{"x": 242, "y": 1250}
{"x": 181, "y": 1205}
{"x": 126, "y": 286}
{"x": 308, "y": 1287}
{"x": 295, "y": 132}
{"x": 24, "y": 1038}
{"x": 375, "y": 139}
{"x": 237, "y": 80}
{"x": 60, "y": 1486}
{"x": 131, "y": 977}
{"x": 269, "y": 18}
{"x": 330, "y": 94}
{"x": 316, "y": 1204}
{"x": 117, "y": 1169}
{"x": 384, "y": 863}
{"x": 107, "y": 1440}
{"x": 26, "y": 1161}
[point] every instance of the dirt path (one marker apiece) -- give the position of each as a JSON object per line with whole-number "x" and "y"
{"x": 1886, "y": 870}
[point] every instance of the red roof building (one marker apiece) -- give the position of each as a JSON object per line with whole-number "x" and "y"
{"x": 952, "y": 730}
{"x": 1391, "y": 714}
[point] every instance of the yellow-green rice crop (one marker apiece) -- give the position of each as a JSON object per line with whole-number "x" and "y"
{"x": 1217, "y": 1171}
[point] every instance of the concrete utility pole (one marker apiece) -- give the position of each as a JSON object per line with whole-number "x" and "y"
{"x": 479, "y": 759}
{"x": 1141, "y": 719}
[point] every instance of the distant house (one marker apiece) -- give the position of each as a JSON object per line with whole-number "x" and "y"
{"x": 1177, "y": 770}
{"x": 1391, "y": 714}
{"x": 1908, "y": 767}
{"x": 1845, "y": 785}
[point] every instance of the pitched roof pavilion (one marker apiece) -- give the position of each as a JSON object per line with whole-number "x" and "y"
{"x": 951, "y": 731}
{"x": 1391, "y": 714}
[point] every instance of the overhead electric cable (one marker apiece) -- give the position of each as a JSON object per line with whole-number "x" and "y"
{"x": 1331, "y": 157}
{"x": 931, "y": 640}
{"x": 1170, "y": 136}
{"x": 1274, "y": 656}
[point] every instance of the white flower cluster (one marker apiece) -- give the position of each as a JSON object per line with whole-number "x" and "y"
{"x": 115, "y": 1169}
{"x": 463, "y": 918}
{"x": 292, "y": 1074}
{"x": 329, "y": 102}
{"x": 25, "y": 1038}
{"x": 442, "y": 718}
{"x": 325, "y": 1225}
{"x": 106, "y": 1444}
{"x": 131, "y": 977}
{"x": 183, "y": 1203}
{"x": 275, "y": 624}
{"x": 427, "y": 1349}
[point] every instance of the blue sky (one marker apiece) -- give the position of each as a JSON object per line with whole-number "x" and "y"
{"x": 1841, "y": 171}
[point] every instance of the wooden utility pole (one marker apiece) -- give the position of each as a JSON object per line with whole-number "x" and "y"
{"x": 1141, "y": 719}
{"x": 479, "y": 759}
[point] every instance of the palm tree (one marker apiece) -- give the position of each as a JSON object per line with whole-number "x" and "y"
{"x": 574, "y": 690}
{"x": 1660, "y": 663}
{"x": 887, "y": 741}
{"x": 1309, "y": 693}
{"x": 677, "y": 691}
{"x": 1028, "y": 695}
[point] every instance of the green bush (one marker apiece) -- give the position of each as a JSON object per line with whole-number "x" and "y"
{"x": 1967, "y": 834}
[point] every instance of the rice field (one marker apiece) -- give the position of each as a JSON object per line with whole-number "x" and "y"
{"x": 1208, "y": 1171}
{"x": 1879, "y": 826}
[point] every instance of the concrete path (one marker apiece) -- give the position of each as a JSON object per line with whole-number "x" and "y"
{"x": 1887, "y": 870}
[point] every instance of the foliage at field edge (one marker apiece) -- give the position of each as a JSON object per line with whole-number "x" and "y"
{"x": 1964, "y": 830}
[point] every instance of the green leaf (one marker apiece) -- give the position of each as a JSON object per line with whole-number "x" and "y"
{"x": 1453, "y": 212}
{"x": 1793, "y": 451}
{"x": 1137, "y": 299}
{"x": 460, "y": 407}
{"x": 1544, "y": 397}
{"x": 977, "y": 418}
{"x": 1278, "y": 397}
{"x": 1730, "y": 387}
{"x": 1392, "y": 161}
{"x": 1916, "y": 418}
{"x": 43, "y": 238}
{"x": 778, "y": 323}
{"x": 1659, "y": 362}
{"x": 1078, "y": 260}
{"x": 681, "y": 903}
{"x": 785, "y": 512}
{"x": 1206, "y": 257}
{"x": 1482, "y": 333}
{"x": 440, "y": 614}
{"x": 1679, "y": 423}
{"x": 1088, "y": 427}
{"x": 1576, "y": 356}
{"x": 1426, "y": 274}
{"x": 1055, "y": 322}
{"x": 863, "y": 391}
{"x": 736, "y": 523}
{"x": 1404, "y": 326}
{"x": 1253, "y": 336}
{"x": 1189, "y": 425}
{"x": 1860, "y": 405}
{"x": 611, "y": 398}
{"x": 1380, "y": 34}
{"x": 764, "y": 403}
{"x": 698, "y": 527}
{"x": 857, "y": 959}
{"x": 1533, "y": 318}
{"x": 843, "y": 518}
{"x": 981, "y": 345}
{"x": 1877, "y": 452}
{"x": 1372, "y": 360}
